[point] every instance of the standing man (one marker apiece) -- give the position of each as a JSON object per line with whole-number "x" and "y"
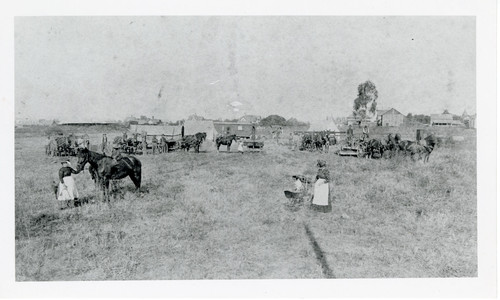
{"x": 144, "y": 142}
{"x": 366, "y": 133}
{"x": 104, "y": 143}
{"x": 350, "y": 135}
{"x": 124, "y": 138}
{"x": 155, "y": 144}
{"x": 163, "y": 144}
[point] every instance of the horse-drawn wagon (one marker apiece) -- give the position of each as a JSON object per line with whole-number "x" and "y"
{"x": 66, "y": 145}
{"x": 316, "y": 140}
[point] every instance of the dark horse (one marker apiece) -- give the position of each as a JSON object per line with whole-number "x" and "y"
{"x": 104, "y": 168}
{"x": 190, "y": 141}
{"x": 225, "y": 140}
{"x": 201, "y": 136}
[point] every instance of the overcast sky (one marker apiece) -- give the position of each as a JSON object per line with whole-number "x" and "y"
{"x": 101, "y": 68}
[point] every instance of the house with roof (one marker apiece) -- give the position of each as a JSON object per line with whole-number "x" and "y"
{"x": 444, "y": 119}
{"x": 390, "y": 117}
{"x": 252, "y": 119}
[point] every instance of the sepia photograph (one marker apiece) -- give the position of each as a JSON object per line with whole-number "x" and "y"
{"x": 245, "y": 147}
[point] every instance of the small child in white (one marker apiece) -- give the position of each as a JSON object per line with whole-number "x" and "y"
{"x": 240, "y": 146}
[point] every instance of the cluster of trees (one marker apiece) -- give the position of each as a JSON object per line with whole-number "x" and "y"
{"x": 280, "y": 121}
{"x": 365, "y": 105}
{"x": 424, "y": 119}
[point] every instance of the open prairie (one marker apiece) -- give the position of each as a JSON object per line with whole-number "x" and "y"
{"x": 223, "y": 215}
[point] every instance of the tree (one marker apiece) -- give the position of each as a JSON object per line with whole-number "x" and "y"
{"x": 365, "y": 105}
{"x": 273, "y": 120}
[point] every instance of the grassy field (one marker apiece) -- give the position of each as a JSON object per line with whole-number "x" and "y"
{"x": 224, "y": 216}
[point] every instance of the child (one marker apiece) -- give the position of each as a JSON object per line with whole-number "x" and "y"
{"x": 240, "y": 146}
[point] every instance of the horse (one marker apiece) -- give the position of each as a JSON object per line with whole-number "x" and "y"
{"x": 374, "y": 146}
{"x": 201, "y": 136}
{"x": 404, "y": 146}
{"x": 420, "y": 150}
{"x": 191, "y": 141}
{"x": 225, "y": 140}
{"x": 104, "y": 168}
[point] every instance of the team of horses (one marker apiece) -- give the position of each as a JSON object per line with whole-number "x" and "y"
{"x": 394, "y": 145}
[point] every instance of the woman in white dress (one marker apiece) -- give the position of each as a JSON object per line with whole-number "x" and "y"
{"x": 67, "y": 191}
{"x": 321, "y": 201}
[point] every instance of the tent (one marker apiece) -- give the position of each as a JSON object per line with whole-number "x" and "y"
{"x": 193, "y": 127}
{"x": 322, "y": 125}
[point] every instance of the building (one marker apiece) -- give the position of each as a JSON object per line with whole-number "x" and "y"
{"x": 229, "y": 128}
{"x": 390, "y": 117}
{"x": 444, "y": 119}
{"x": 250, "y": 119}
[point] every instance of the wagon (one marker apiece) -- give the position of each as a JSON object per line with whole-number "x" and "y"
{"x": 66, "y": 145}
{"x": 253, "y": 144}
{"x": 355, "y": 149}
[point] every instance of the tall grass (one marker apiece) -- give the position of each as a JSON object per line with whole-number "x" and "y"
{"x": 223, "y": 215}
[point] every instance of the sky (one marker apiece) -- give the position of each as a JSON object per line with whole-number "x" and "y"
{"x": 83, "y": 69}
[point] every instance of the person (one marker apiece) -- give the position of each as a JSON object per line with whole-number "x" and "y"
{"x": 240, "y": 146}
{"x": 366, "y": 133}
{"x": 327, "y": 144}
{"x": 67, "y": 192}
{"x": 321, "y": 199}
{"x": 144, "y": 143}
{"x": 299, "y": 186}
{"x": 155, "y": 144}
{"x": 290, "y": 141}
{"x": 163, "y": 144}
{"x": 124, "y": 138}
{"x": 104, "y": 143}
{"x": 350, "y": 135}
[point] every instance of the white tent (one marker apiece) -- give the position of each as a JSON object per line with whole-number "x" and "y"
{"x": 322, "y": 125}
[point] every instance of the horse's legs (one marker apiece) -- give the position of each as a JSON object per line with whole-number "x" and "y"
{"x": 136, "y": 178}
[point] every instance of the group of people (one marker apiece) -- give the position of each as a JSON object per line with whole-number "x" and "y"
{"x": 158, "y": 145}
{"x": 321, "y": 198}
{"x": 350, "y": 134}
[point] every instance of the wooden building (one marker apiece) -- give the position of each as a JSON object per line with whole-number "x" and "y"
{"x": 391, "y": 117}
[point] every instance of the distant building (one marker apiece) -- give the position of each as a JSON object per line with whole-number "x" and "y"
{"x": 250, "y": 119}
{"x": 229, "y": 128}
{"x": 472, "y": 121}
{"x": 143, "y": 120}
{"x": 390, "y": 117}
{"x": 444, "y": 119}
{"x": 469, "y": 120}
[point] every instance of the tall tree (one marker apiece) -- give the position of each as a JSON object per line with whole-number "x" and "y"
{"x": 365, "y": 105}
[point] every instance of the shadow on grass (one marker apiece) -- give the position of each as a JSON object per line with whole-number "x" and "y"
{"x": 320, "y": 256}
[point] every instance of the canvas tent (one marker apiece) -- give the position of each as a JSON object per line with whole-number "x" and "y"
{"x": 322, "y": 125}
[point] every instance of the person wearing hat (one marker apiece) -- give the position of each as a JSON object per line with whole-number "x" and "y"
{"x": 67, "y": 191}
{"x": 321, "y": 199}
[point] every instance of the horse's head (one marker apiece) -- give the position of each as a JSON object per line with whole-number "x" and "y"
{"x": 83, "y": 158}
